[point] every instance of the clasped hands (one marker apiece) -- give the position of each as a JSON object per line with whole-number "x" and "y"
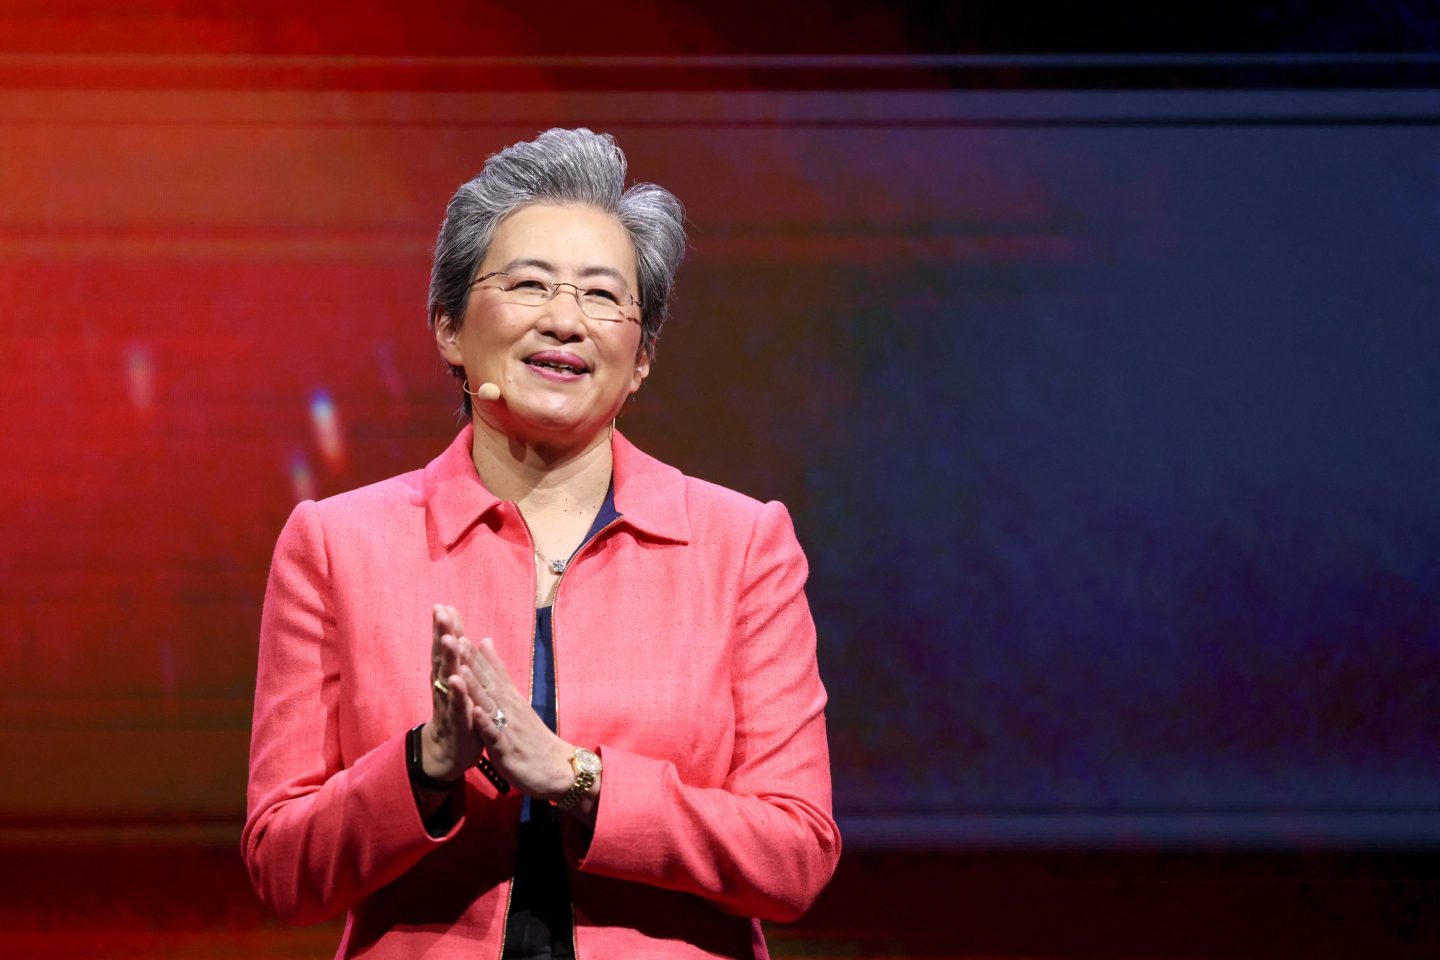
{"x": 478, "y": 691}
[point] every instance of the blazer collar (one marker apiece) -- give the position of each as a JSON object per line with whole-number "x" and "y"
{"x": 649, "y": 495}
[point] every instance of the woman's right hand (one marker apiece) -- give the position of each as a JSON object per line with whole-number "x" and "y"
{"x": 449, "y": 742}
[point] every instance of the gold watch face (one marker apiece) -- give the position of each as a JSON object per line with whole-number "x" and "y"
{"x": 586, "y": 761}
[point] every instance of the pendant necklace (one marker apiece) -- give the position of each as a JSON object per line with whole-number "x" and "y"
{"x": 556, "y": 566}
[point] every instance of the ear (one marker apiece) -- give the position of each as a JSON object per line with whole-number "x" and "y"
{"x": 447, "y": 341}
{"x": 642, "y": 369}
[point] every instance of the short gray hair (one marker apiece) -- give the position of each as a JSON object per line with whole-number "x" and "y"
{"x": 559, "y": 166}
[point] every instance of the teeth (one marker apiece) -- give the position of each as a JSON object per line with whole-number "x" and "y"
{"x": 555, "y": 366}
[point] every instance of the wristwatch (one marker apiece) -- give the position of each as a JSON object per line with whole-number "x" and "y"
{"x": 587, "y": 768}
{"x": 415, "y": 766}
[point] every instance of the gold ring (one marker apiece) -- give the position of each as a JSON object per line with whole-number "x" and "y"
{"x": 442, "y": 688}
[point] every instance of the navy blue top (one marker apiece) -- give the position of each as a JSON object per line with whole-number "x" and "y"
{"x": 539, "y": 924}
{"x": 542, "y": 695}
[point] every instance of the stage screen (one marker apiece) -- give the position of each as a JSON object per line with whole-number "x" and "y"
{"x": 1108, "y": 421}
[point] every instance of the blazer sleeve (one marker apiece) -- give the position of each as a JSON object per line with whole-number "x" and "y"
{"x": 318, "y": 835}
{"x": 764, "y": 844}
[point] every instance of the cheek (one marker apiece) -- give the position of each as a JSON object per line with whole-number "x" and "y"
{"x": 484, "y": 338}
{"x": 627, "y": 350}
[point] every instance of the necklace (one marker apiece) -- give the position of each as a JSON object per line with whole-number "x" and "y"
{"x": 556, "y": 566}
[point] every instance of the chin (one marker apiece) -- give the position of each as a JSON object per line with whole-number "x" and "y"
{"x": 559, "y": 425}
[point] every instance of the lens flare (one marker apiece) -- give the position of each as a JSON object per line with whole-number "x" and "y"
{"x": 326, "y": 423}
{"x": 302, "y": 479}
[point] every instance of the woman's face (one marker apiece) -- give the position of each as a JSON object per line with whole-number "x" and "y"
{"x": 562, "y": 376}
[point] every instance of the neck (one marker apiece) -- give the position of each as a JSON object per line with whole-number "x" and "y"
{"x": 539, "y": 476}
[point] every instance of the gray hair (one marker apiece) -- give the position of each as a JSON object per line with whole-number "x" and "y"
{"x": 559, "y": 166}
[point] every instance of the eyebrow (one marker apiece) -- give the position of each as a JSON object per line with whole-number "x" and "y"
{"x": 548, "y": 267}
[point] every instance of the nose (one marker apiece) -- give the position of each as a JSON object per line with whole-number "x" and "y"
{"x": 562, "y": 317}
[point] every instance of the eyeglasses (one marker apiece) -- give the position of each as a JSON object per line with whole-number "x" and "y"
{"x": 597, "y": 303}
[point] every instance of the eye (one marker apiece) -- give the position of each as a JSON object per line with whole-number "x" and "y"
{"x": 528, "y": 284}
{"x": 600, "y": 293}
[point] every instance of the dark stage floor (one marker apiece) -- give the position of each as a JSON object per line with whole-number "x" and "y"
{"x": 195, "y": 902}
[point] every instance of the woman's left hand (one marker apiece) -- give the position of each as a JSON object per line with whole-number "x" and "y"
{"x": 525, "y": 751}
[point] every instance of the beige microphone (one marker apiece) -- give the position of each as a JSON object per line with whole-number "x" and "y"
{"x": 487, "y": 391}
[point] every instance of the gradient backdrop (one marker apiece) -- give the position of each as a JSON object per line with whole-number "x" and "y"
{"x": 1109, "y": 420}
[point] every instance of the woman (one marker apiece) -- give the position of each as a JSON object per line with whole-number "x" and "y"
{"x": 625, "y": 651}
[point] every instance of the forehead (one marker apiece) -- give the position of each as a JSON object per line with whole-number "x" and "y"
{"x": 574, "y": 239}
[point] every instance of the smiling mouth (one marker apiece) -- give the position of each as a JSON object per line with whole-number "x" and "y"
{"x": 558, "y": 365}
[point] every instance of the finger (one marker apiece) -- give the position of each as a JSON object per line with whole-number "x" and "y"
{"x": 451, "y": 710}
{"x": 437, "y": 630}
{"x": 480, "y": 668}
{"x": 495, "y": 667}
{"x": 465, "y": 664}
{"x": 463, "y": 653}
{"x": 464, "y": 656}
{"x": 484, "y": 719}
{"x": 460, "y": 705}
{"x": 440, "y": 692}
{"x": 451, "y": 618}
{"x": 477, "y": 663}
{"x": 444, "y": 620}
{"x": 484, "y": 707}
{"x": 472, "y": 683}
{"x": 441, "y": 666}
{"x": 442, "y": 710}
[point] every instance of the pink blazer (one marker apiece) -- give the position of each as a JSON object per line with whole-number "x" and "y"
{"x": 685, "y": 655}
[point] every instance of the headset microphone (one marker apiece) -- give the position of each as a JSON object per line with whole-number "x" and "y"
{"x": 487, "y": 391}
